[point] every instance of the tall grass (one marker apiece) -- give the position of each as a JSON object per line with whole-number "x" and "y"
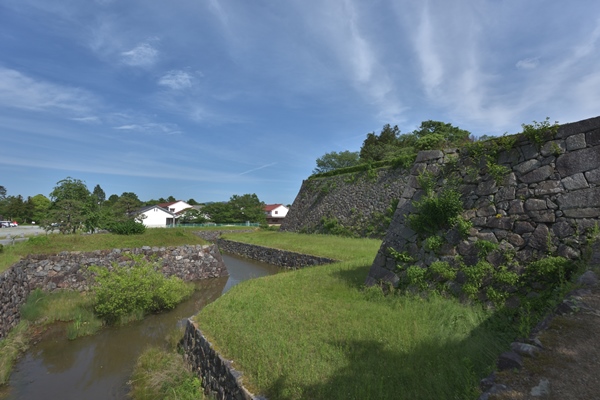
{"x": 161, "y": 374}
{"x": 15, "y": 343}
{"x": 76, "y": 309}
{"x": 317, "y": 333}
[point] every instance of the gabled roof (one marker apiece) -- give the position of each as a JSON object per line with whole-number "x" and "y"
{"x": 148, "y": 208}
{"x": 271, "y": 207}
{"x": 166, "y": 205}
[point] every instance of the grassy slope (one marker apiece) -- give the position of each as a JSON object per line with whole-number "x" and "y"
{"x": 315, "y": 333}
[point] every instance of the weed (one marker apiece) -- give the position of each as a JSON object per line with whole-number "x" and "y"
{"x": 538, "y": 132}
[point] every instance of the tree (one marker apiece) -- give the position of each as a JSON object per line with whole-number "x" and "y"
{"x": 192, "y": 216}
{"x": 171, "y": 199}
{"x": 192, "y": 202}
{"x": 436, "y": 134}
{"x": 335, "y": 160}
{"x": 247, "y": 208}
{"x": 99, "y": 195}
{"x": 219, "y": 213}
{"x": 382, "y": 146}
{"x": 72, "y": 206}
{"x": 128, "y": 202}
{"x": 41, "y": 205}
{"x": 2, "y": 192}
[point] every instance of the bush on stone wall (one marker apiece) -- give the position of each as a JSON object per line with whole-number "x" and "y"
{"x": 140, "y": 288}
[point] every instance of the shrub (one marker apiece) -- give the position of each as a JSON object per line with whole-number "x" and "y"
{"x": 443, "y": 270}
{"x": 140, "y": 287}
{"x": 537, "y": 132}
{"x": 435, "y": 212}
{"x": 553, "y": 270}
{"x": 434, "y": 243}
{"x": 129, "y": 227}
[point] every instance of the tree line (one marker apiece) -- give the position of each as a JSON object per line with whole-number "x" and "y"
{"x": 390, "y": 144}
{"x": 71, "y": 206}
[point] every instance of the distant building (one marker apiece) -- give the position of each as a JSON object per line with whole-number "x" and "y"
{"x": 156, "y": 217}
{"x": 275, "y": 213}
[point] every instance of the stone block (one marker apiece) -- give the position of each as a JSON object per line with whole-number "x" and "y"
{"x": 563, "y": 229}
{"x": 505, "y": 193}
{"x": 515, "y": 240}
{"x": 585, "y": 198}
{"x": 538, "y": 175}
{"x": 529, "y": 151}
{"x": 574, "y": 128}
{"x": 500, "y": 223}
{"x": 553, "y": 147}
{"x": 542, "y": 216}
{"x": 486, "y": 211}
{"x": 575, "y": 182}
{"x": 582, "y": 212}
{"x": 576, "y": 142}
{"x": 486, "y": 188}
{"x": 426, "y": 155}
{"x": 593, "y": 137}
{"x": 539, "y": 238}
{"x": 527, "y": 166}
{"x": 516, "y": 207}
{"x": 548, "y": 187}
{"x": 593, "y": 176}
{"x": 577, "y": 161}
{"x": 535, "y": 204}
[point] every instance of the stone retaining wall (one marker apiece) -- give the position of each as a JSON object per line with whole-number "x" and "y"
{"x": 219, "y": 378}
{"x": 280, "y": 258}
{"x": 547, "y": 203}
{"x": 356, "y": 200}
{"x": 68, "y": 271}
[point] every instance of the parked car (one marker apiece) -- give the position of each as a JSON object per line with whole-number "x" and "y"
{"x": 5, "y": 224}
{"x": 14, "y": 224}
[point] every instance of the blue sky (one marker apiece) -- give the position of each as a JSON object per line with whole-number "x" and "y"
{"x": 205, "y": 99}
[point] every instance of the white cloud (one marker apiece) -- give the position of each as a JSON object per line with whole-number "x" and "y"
{"x": 528, "y": 63}
{"x": 176, "y": 80}
{"x": 143, "y": 55}
{"x": 18, "y": 90}
{"x": 151, "y": 128}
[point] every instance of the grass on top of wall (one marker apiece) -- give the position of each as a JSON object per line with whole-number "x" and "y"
{"x": 55, "y": 243}
{"x": 318, "y": 333}
{"x": 330, "y": 246}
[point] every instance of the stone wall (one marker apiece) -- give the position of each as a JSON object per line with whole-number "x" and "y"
{"x": 280, "y": 258}
{"x": 68, "y": 271}
{"x": 219, "y": 378}
{"x": 546, "y": 203}
{"x": 356, "y": 200}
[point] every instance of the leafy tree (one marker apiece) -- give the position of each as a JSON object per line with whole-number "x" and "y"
{"x": 192, "y": 216}
{"x": 171, "y": 199}
{"x": 380, "y": 147}
{"x": 99, "y": 195}
{"x": 247, "y": 208}
{"x": 72, "y": 206}
{"x": 192, "y": 202}
{"x": 436, "y": 134}
{"x": 127, "y": 203}
{"x": 335, "y": 160}
{"x": 41, "y": 205}
{"x": 218, "y": 213}
{"x": 2, "y": 192}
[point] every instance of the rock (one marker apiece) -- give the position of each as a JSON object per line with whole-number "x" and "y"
{"x": 576, "y": 142}
{"x": 578, "y": 161}
{"x": 542, "y": 389}
{"x": 524, "y": 349}
{"x": 538, "y": 175}
{"x": 588, "y": 279}
{"x": 575, "y": 182}
{"x": 509, "y": 360}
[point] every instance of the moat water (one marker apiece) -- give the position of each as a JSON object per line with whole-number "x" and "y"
{"x": 100, "y": 366}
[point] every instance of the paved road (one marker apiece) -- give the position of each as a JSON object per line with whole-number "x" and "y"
{"x": 19, "y": 234}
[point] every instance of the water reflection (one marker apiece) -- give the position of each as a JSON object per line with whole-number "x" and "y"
{"x": 98, "y": 367}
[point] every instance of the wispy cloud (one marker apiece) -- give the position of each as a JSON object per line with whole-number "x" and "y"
{"x": 528, "y": 63}
{"x": 151, "y": 128}
{"x": 143, "y": 55}
{"x": 176, "y": 80}
{"x": 18, "y": 90}
{"x": 259, "y": 168}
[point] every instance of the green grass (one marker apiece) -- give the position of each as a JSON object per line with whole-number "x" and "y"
{"x": 76, "y": 309}
{"x": 160, "y": 374}
{"x": 15, "y": 343}
{"x": 317, "y": 333}
{"x": 336, "y": 247}
{"x": 55, "y": 243}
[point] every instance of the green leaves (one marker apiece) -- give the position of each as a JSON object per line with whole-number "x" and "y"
{"x": 140, "y": 287}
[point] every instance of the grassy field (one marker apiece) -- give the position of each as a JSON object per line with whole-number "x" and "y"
{"x": 317, "y": 333}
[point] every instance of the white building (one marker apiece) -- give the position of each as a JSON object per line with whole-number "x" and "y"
{"x": 156, "y": 217}
{"x": 175, "y": 207}
{"x": 275, "y": 213}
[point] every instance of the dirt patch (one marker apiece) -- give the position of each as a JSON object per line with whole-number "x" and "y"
{"x": 568, "y": 366}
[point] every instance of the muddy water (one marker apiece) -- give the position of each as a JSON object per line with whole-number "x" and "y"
{"x": 99, "y": 366}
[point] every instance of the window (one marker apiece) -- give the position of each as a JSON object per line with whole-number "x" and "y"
{"x": 276, "y": 212}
